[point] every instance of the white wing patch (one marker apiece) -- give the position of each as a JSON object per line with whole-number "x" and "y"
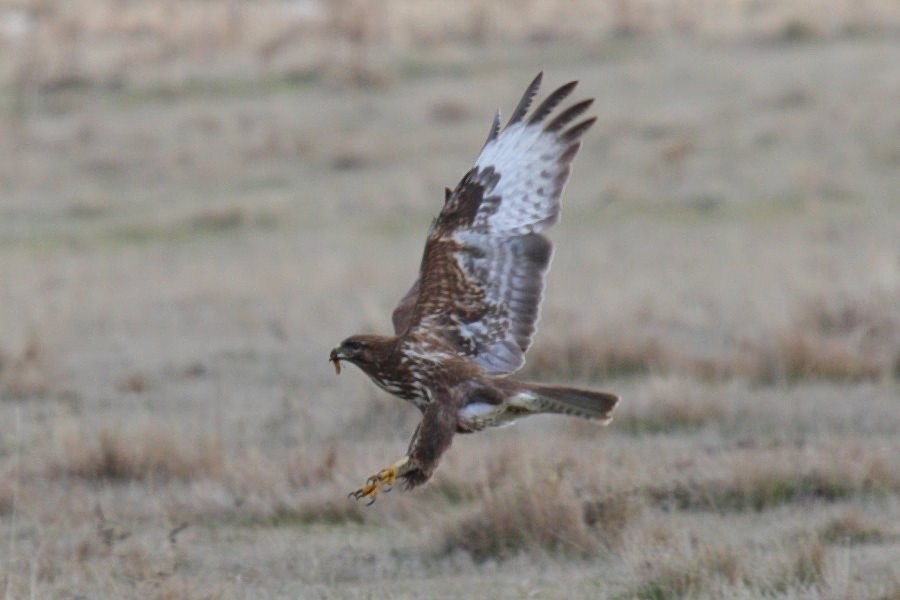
{"x": 527, "y": 159}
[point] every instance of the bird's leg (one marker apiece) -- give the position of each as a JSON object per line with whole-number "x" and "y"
{"x": 385, "y": 478}
{"x": 431, "y": 439}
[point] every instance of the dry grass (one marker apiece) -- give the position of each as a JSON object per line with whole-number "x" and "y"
{"x": 839, "y": 339}
{"x": 761, "y": 480}
{"x": 139, "y": 450}
{"x": 700, "y": 573}
{"x": 710, "y": 568}
{"x": 8, "y": 494}
{"x": 597, "y": 357}
{"x": 60, "y": 47}
{"x": 189, "y": 227}
{"x": 26, "y": 372}
{"x": 852, "y": 527}
{"x": 804, "y": 356}
{"x": 842, "y": 338}
{"x": 539, "y": 509}
{"x": 758, "y": 490}
{"x": 669, "y": 405}
{"x": 804, "y": 568}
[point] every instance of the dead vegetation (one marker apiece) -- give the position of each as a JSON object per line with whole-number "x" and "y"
{"x": 536, "y": 509}
{"x": 570, "y": 510}
{"x": 105, "y": 44}
{"x": 25, "y": 373}
{"x": 669, "y": 404}
{"x": 595, "y": 357}
{"x": 834, "y": 339}
{"x": 758, "y": 484}
{"x": 800, "y": 565}
{"x": 707, "y": 570}
{"x": 189, "y": 226}
{"x": 138, "y": 450}
{"x": 853, "y": 527}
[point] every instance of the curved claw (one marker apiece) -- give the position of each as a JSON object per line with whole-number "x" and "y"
{"x": 359, "y": 494}
{"x": 369, "y": 491}
{"x": 383, "y": 481}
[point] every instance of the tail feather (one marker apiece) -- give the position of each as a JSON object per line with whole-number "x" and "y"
{"x": 571, "y": 401}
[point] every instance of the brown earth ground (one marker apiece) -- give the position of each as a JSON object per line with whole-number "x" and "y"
{"x": 200, "y": 199}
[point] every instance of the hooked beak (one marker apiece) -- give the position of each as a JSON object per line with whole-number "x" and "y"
{"x": 335, "y": 359}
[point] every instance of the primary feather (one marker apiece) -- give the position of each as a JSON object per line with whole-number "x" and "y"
{"x": 482, "y": 275}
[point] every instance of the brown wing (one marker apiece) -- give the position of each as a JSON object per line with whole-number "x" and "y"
{"x": 482, "y": 274}
{"x": 402, "y": 315}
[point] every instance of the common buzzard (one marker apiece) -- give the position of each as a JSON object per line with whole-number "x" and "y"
{"x": 467, "y": 321}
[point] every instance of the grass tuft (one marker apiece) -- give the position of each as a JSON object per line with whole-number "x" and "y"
{"x": 584, "y": 358}
{"x": 323, "y": 511}
{"x": 218, "y": 220}
{"x": 452, "y": 490}
{"x": 851, "y": 527}
{"x": 7, "y": 497}
{"x": 839, "y": 338}
{"x": 610, "y": 516}
{"x": 540, "y": 511}
{"x": 150, "y": 449}
{"x": 669, "y": 405}
{"x": 331, "y": 512}
{"x": 135, "y": 383}
{"x": 832, "y": 339}
{"x": 304, "y": 471}
{"x": 519, "y": 519}
{"x": 447, "y": 110}
{"x": 762, "y": 486}
{"x": 795, "y": 31}
{"x": 25, "y": 373}
{"x": 805, "y": 567}
{"x": 691, "y": 577}
{"x": 805, "y": 356}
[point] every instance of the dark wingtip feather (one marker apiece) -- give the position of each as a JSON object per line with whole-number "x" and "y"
{"x": 495, "y": 129}
{"x": 576, "y": 131}
{"x": 567, "y": 156}
{"x": 568, "y": 115}
{"x": 550, "y": 103}
{"x": 525, "y": 102}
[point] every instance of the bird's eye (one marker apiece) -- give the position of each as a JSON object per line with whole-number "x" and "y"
{"x": 354, "y": 346}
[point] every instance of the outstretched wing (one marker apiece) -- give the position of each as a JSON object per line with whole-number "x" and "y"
{"x": 482, "y": 274}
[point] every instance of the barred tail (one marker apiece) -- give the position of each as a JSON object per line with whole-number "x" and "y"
{"x": 571, "y": 401}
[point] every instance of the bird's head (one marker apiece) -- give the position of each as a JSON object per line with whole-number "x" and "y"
{"x": 361, "y": 350}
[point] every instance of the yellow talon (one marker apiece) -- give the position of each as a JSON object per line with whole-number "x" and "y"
{"x": 384, "y": 480}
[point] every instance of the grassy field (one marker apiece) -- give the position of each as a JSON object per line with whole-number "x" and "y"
{"x": 187, "y": 229}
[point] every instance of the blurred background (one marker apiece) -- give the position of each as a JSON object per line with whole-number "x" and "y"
{"x": 199, "y": 199}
